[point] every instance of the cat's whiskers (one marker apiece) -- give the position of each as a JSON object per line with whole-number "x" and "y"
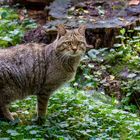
{"x": 64, "y": 58}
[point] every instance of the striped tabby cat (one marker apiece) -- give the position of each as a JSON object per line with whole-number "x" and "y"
{"x": 39, "y": 69}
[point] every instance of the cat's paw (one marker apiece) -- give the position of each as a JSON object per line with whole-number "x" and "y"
{"x": 15, "y": 121}
{"x": 39, "y": 120}
{"x": 14, "y": 114}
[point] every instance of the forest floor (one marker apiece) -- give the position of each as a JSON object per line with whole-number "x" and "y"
{"x": 81, "y": 109}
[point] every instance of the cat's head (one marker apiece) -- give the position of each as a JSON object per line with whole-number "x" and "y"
{"x": 71, "y": 42}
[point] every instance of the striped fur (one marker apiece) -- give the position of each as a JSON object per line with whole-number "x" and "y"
{"x": 39, "y": 69}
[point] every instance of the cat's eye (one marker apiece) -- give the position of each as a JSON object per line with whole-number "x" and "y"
{"x": 80, "y": 43}
{"x": 68, "y": 43}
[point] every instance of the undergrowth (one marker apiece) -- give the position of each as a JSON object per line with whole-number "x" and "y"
{"x": 12, "y": 29}
{"x": 82, "y": 112}
{"x": 73, "y": 115}
{"x": 115, "y": 71}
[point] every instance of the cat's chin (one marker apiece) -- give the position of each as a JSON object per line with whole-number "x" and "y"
{"x": 75, "y": 54}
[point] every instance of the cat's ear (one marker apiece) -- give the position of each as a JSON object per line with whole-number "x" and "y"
{"x": 61, "y": 30}
{"x": 82, "y": 29}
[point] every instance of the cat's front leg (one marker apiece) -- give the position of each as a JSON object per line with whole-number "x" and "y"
{"x": 7, "y": 115}
{"x": 42, "y": 103}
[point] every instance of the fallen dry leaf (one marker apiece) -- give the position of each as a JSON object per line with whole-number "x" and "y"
{"x": 121, "y": 19}
{"x": 134, "y": 2}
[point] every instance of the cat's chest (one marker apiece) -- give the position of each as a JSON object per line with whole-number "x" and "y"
{"x": 59, "y": 75}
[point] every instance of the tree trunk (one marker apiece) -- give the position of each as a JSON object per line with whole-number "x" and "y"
{"x": 103, "y": 23}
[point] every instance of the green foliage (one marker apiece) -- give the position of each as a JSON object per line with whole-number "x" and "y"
{"x": 101, "y": 68}
{"x": 11, "y": 28}
{"x": 126, "y": 52}
{"x": 84, "y": 114}
{"x": 131, "y": 90}
{"x": 74, "y": 115}
{"x": 126, "y": 57}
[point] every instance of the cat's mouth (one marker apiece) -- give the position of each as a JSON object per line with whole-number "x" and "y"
{"x": 76, "y": 53}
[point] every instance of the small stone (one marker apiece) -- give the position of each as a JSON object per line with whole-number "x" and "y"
{"x": 85, "y": 11}
{"x": 81, "y": 5}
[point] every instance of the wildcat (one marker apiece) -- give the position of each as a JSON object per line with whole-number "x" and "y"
{"x": 39, "y": 69}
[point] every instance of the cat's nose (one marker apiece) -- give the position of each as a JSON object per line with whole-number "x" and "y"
{"x": 74, "y": 48}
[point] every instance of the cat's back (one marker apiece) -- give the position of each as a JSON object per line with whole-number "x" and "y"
{"x": 23, "y": 64}
{"x": 11, "y": 52}
{"x": 19, "y": 59}
{"x": 23, "y": 51}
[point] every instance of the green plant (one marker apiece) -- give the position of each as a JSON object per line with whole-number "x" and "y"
{"x": 11, "y": 28}
{"x": 74, "y": 116}
{"x": 102, "y": 68}
{"x": 83, "y": 112}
